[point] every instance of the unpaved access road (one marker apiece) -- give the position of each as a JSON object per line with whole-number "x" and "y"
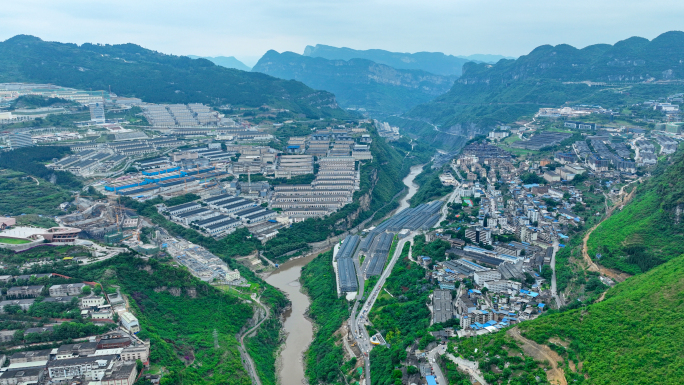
{"x": 555, "y": 375}
{"x": 591, "y": 265}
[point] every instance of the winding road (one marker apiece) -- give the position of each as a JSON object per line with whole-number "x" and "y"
{"x": 358, "y": 323}
{"x": 247, "y": 359}
{"x": 593, "y": 266}
{"x": 469, "y": 366}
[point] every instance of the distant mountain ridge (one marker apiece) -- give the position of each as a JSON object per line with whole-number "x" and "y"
{"x": 633, "y": 59}
{"x": 358, "y": 83}
{"x": 132, "y": 70}
{"x": 486, "y": 58}
{"x": 224, "y": 61}
{"x": 488, "y": 94}
{"x": 433, "y": 62}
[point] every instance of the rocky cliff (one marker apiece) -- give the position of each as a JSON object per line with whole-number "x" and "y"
{"x": 358, "y": 83}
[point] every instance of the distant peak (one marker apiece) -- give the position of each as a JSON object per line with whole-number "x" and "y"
{"x": 24, "y": 39}
{"x": 308, "y": 51}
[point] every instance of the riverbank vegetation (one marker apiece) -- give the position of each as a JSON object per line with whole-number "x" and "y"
{"x": 325, "y": 356}
{"x": 263, "y": 348}
{"x": 430, "y": 187}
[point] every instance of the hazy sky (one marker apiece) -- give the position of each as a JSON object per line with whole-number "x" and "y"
{"x": 248, "y": 28}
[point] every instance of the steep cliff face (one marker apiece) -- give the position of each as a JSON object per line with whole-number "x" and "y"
{"x": 358, "y": 83}
{"x": 364, "y": 205}
{"x": 418, "y": 80}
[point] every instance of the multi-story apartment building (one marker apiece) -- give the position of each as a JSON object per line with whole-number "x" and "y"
{"x": 67, "y": 289}
{"x": 24, "y": 291}
{"x": 480, "y": 277}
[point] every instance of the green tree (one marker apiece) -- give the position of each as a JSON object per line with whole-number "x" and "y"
{"x": 12, "y": 309}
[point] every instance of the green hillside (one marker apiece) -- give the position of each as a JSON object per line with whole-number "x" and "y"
{"x": 649, "y": 230}
{"x": 635, "y": 336}
{"x": 131, "y": 70}
{"x": 23, "y": 195}
{"x": 358, "y": 83}
{"x": 633, "y": 70}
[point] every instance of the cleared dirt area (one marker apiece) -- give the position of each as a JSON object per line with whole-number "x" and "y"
{"x": 558, "y": 341}
{"x": 618, "y": 276}
{"x": 602, "y": 297}
{"x": 555, "y": 375}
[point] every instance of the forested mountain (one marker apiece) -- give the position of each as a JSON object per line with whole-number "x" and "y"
{"x": 358, "y": 82}
{"x": 650, "y": 229}
{"x": 224, "y": 61}
{"x": 550, "y": 76}
{"x": 433, "y": 62}
{"x": 131, "y": 70}
{"x": 634, "y": 336}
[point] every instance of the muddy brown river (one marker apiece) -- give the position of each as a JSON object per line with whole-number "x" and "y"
{"x": 299, "y": 329}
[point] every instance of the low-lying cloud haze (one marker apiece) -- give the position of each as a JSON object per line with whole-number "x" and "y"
{"x": 247, "y": 29}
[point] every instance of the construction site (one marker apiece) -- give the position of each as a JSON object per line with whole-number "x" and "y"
{"x": 108, "y": 222}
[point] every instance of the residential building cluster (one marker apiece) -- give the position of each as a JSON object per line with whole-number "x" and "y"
{"x": 526, "y": 213}
{"x": 108, "y": 359}
{"x": 498, "y": 298}
{"x": 24, "y": 297}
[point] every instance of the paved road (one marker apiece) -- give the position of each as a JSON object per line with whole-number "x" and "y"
{"x": 251, "y": 367}
{"x": 445, "y": 206}
{"x": 358, "y": 324}
{"x": 469, "y": 366}
{"x": 432, "y": 355}
{"x": 554, "y": 293}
